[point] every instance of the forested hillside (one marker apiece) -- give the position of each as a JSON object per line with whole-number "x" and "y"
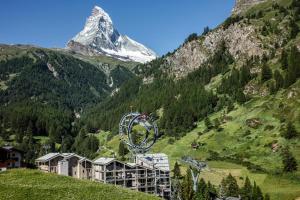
{"x": 219, "y": 82}
{"x": 229, "y": 95}
{"x": 43, "y": 92}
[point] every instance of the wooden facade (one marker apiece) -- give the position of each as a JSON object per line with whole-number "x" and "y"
{"x": 10, "y": 157}
{"x": 68, "y": 164}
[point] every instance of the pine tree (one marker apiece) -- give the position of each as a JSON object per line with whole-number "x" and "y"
{"x": 122, "y": 150}
{"x": 290, "y": 132}
{"x": 66, "y": 144}
{"x": 222, "y": 188}
{"x": 266, "y": 73}
{"x": 213, "y": 194}
{"x": 293, "y": 70}
{"x": 202, "y": 189}
{"x": 267, "y": 197}
{"x": 217, "y": 124}
{"x": 279, "y": 81}
{"x": 240, "y": 96}
{"x": 272, "y": 87}
{"x": 208, "y": 123}
{"x": 259, "y": 193}
{"x": 294, "y": 29}
{"x": 176, "y": 171}
{"x": 254, "y": 191}
{"x": 247, "y": 190}
{"x": 232, "y": 188}
{"x": 284, "y": 59}
{"x": 288, "y": 160}
{"x": 206, "y": 30}
{"x": 187, "y": 192}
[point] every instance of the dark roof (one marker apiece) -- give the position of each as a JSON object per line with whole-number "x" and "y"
{"x": 11, "y": 148}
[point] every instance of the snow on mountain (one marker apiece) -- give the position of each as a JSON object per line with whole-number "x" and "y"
{"x": 99, "y": 36}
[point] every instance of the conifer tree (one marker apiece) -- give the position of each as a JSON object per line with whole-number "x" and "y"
{"x": 279, "y": 81}
{"x": 259, "y": 193}
{"x": 122, "y": 150}
{"x": 288, "y": 160}
{"x": 208, "y": 123}
{"x": 294, "y": 29}
{"x": 290, "y": 131}
{"x": 247, "y": 190}
{"x": 206, "y": 30}
{"x": 187, "y": 192}
{"x": 284, "y": 59}
{"x": 176, "y": 171}
{"x": 222, "y": 188}
{"x": 212, "y": 191}
{"x": 254, "y": 191}
{"x": 202, "y": 189}
{"x": 293, "y": 70}
{"x": 266, "y": 73}
{"x": 267, "y": 197}
{"x": 240, "y": 96}
{"x": 232, "y": 188}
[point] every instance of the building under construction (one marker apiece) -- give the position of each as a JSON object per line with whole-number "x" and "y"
{"x": 149, "y": 173}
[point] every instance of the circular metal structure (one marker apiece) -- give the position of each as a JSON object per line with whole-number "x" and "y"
{"x": 138, "y": 131}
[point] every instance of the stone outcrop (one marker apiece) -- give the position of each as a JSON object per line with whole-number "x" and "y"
{"x": 240, "y": 39}
{"x": 242, "y": 5}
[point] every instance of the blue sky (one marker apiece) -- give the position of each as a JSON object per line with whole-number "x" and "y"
{"x": 159, "y": 24}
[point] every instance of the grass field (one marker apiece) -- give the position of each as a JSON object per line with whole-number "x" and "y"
{"x": 24, "y": 184}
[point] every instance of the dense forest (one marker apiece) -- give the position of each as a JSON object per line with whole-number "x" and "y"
{"x": 43, "y": 94}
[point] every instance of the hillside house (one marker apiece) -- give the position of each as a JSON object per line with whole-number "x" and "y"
{"x": 67, "y": 164}
{"x": 10, "y": 157}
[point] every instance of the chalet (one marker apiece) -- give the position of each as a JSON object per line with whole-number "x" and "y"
{"x": 10, "y": 157}
{"x": 67, "y": 164}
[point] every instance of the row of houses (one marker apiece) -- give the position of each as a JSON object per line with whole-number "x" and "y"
{"x": 149, "y": 173}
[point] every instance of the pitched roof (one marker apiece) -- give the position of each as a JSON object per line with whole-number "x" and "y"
{"x": 103, "y": 161}
{"x": 85, "y": 159}
{"x": 69, "y": 155}
{"x": 48, "y": 157}
{"x": 11, "y": 148}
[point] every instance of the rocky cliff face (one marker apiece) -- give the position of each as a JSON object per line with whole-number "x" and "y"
{"x": 241, "y": 40}
{"x": 242, "y": 5}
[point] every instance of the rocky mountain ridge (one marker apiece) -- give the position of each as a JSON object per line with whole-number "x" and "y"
{"x": 244, "y": 36}
{"x": 100, "y": 37}
{"x": 242, "y": 5}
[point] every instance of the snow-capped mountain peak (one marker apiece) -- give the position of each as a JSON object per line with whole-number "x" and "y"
{"x": 99, "y": 36}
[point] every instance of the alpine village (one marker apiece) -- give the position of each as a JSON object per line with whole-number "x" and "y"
{"x": 107, "y": 118}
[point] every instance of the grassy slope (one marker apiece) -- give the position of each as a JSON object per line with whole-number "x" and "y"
{"x": 232, "y": 140}
{"x": 32, "y": 184}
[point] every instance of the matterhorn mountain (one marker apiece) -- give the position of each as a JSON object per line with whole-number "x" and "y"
{"x": 100, "y": 37}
